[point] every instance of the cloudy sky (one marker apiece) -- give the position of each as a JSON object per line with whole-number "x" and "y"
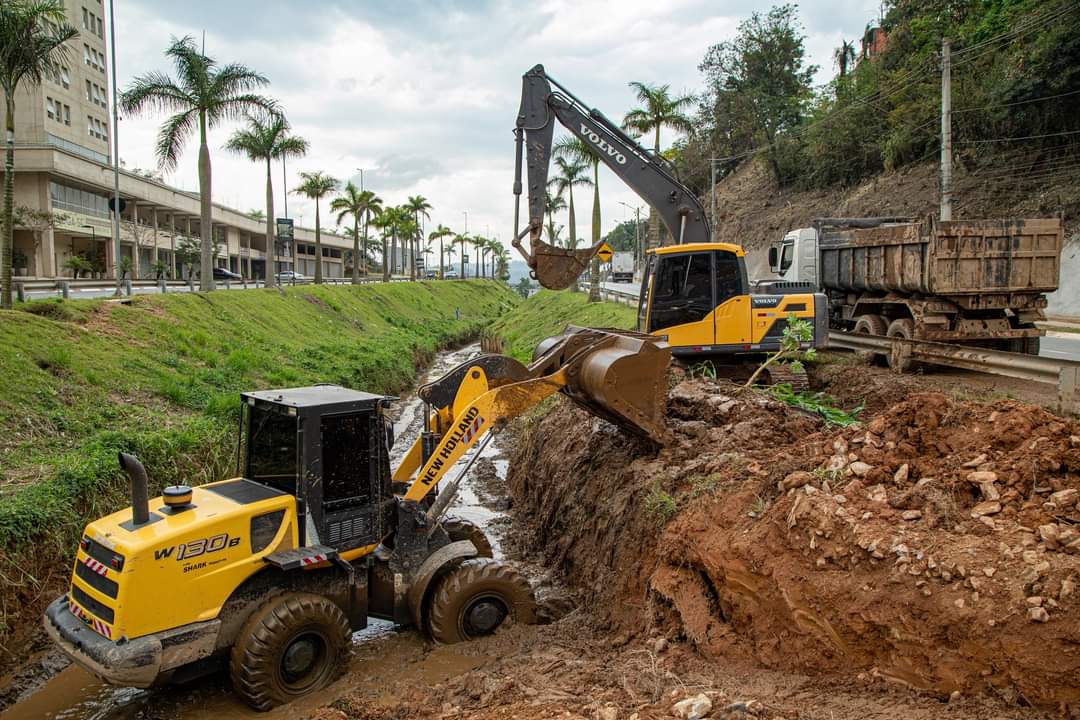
{"x": 423, "y": 94}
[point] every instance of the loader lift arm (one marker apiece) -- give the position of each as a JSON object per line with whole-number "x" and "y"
{"x": 615, "y": 374}
{"x": 650, "y": 176}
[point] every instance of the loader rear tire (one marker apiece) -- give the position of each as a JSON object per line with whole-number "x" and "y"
{"x": 461, "y": 529}
{"x": 293, "y": 645}
{"x": 476, "y": 597}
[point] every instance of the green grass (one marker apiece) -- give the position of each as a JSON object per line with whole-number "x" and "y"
{"x": 160, "y": 377}
{"x": 547, "y": 313}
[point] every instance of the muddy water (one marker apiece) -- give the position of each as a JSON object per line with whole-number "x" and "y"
{"x": 381, "y": 650}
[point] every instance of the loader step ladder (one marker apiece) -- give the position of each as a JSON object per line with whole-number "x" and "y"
{"x": 302, "y": 557}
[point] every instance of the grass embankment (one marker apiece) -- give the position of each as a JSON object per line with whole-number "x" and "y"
{"x": 82, "y": 380}
{"x": 547, "y": 313}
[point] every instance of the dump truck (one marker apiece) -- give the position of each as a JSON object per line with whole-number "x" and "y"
{"x": 268, "y": 573}
{"x": 622, "y": 267}
{"x": 971, "y": 282}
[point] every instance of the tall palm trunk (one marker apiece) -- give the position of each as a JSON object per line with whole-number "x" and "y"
{"x": 318, "y": 246}
{"x": 367, "y": 219}
{"x": 462, "y": 259}
{"x": 7, "y": 234}
{"x": 271, "y": 246}
{"x": 386, "y": 259}
{"x": 356, "y": 250}
{"x": 594, "y": 270}
{"x": 442, "y": 258}
{"x": 206, "y": 227}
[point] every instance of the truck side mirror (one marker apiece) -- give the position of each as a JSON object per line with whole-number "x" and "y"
{"x": 774, "y": 260}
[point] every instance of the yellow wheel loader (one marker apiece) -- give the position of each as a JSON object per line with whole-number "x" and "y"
{"x": 268, "y": 573}
{"x": 695, "y": 292}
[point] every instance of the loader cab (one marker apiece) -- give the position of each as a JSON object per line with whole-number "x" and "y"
{"x": 328, "y": 447}
{"x": 686, "y": 287}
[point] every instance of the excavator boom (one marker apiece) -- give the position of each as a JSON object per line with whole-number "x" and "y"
{"x": 650, "y": 176}
{"x": 617, "y": 375}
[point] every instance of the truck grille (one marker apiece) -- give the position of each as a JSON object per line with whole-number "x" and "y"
{"x": 91, "y": 605}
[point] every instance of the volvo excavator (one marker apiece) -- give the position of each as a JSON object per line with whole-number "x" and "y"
{"x": 268, "y": 573}
{"x": 694, "y": 293}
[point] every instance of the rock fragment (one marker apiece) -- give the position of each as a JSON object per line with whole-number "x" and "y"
{"x": 693, "y": 708}
{"x": 987, "y": 507}
{"x": 1038, "y": 614}
{"x": 911, "y": 514}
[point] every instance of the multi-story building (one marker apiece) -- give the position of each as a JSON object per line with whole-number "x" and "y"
{"x": 63, "y": 167}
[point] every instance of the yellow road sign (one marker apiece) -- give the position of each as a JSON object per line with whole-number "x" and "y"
{"x": 605, "y": 252}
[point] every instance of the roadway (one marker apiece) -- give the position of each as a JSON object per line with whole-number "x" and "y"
{"x": 1056, "y": 345}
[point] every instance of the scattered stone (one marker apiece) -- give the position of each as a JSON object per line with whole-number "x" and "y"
{"x": 1049, "y": 535}
{"x": 836, "y": 463}
{"x": 660, "y": 645}
{"x": 1042, "y": 567}
{"x": 860, "y": 468}
{"x": 975, "y": 462}
{"x": 1065, "y": 498}
{"x": 981, "y": 476}
{"x": 901, "y": 475}
{"x": 840, "y": 499}
{"x": 911, "y": 514}
{"x": 877, "y": 493}
{"x": 959, "y": 602}
{"x": 1038, "y": 614}
{"x": 877, "y": 426}
{"x": 840, "y": 446}
{"x": 989, "y": 491}
{"x": 607, "y": 712}
{"x": 796, "y": 480}
{"x": 696, "y": 707}
{"x": 987, "y": 507}
{"x": 1034, "y": 601}
{"x": 1030, "y": 557}
{"x": 989, "y": 571}
{"x": 1074, "y": 440}
{"x": 954, "y": 697}
{"x": 1068, "y": 587}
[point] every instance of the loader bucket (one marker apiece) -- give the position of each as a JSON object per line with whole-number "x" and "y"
{"x": 618, "y": 375}
{"x": 557, "y": 268}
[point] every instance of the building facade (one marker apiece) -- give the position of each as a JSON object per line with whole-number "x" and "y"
{"x": 64, "y": 180}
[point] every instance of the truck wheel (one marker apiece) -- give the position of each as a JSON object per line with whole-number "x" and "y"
{"x": 902, "y": 328}
{"x": 293, "y": 645}
{"x": 476, "y": 597}
{"x": 461, "y": 529}
{"x": 869, "y": 325}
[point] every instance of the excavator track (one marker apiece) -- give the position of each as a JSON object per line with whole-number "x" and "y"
{"x": 784, "y": 374}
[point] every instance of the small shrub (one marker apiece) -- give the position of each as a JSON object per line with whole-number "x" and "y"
{"x": 53, "y": 308}
{"x": 659, "y": 506}
{"x": 241, "y": 360}
{"x": 57, "y": 358}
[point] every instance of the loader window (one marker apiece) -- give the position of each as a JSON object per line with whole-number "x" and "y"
{"x": 271, "y": 448}
{"x": 682, "y": 291}
{"x": 346, "y": 451}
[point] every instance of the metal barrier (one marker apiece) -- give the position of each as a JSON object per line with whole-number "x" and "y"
{"x": 1065, "y": 374}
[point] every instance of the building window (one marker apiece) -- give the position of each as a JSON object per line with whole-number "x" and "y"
{"x": 49, "y": 108}
{"x": 65, "y": 77}
{"x": 86, "y": 54}
{"x": 90, "y": 126}
{"x": 67, "y": 115}
{"x": 99, "y": 29}
{"x": 64, "y": 197}
{"x": 85, "y": 19}
{"x": 89, "y": 92}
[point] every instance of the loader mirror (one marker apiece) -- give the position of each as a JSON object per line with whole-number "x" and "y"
{"x": 774, "y": 259}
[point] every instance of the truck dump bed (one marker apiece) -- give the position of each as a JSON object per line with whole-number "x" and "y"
{"x": 960, "y": 260}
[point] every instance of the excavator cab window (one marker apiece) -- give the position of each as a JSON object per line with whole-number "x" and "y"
{"x": 682, "y": 290}
{"x": 272, "y": 453}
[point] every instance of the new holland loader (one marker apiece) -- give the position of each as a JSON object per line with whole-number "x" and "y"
{"x": 268, "y": 573}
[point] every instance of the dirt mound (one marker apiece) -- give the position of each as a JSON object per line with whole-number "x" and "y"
{"x": 933, "y": 547}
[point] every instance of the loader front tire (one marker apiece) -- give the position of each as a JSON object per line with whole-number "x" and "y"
{"x": 476, "y": 597}
{"x": 461, "y": 529}
{"x": 292, "y": 645}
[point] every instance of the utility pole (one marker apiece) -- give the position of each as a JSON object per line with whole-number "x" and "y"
{"x": 712, "y": 199}
{"x": 116, "y": 157}
{"x": 946, "y": 131}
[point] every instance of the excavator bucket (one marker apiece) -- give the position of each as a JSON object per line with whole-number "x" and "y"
{"x": 618, "y": 375}
{"x": 557, "y": 268}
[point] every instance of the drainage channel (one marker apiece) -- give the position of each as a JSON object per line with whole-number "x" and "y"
{"x": 381, "y": 650}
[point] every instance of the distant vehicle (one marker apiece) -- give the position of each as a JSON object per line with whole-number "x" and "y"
{"x": 430, "y": 275}
{"x": 221, "y": 273}
{"x": 287, "y": 276}
{"x": 450, "y": 275}
{"x": 622, "y": 267}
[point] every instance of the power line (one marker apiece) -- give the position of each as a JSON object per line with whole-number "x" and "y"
{"x": 1019, "y": 102}
{"x": 1018, "y": 137}
{"x": 1026, "y": 25}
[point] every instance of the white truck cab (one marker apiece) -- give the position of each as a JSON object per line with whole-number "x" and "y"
{"x": 795, "y": 257}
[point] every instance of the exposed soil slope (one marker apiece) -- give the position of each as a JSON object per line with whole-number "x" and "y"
{"x": 932, "y": 547}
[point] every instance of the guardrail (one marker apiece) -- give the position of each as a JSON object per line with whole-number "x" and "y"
{"x": 63, "y": 287}
{"x": 1065, "y": 374}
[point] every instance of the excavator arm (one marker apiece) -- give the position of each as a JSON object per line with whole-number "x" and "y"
{"x": 614, "y": 374}
{"x": 650, "y": 176}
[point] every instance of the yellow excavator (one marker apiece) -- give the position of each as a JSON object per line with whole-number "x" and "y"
{"x": 696, "y": 292}
{"x": 268, "y": 573}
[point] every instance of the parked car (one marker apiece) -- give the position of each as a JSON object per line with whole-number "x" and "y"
{"x": 430, "y": 275}
{"x": 221, "y": 273}
{"x": 450, "y": 275}
{"x": 289, "y": 276}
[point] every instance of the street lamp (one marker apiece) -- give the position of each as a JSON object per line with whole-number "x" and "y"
{"x": 93, "y": 234}
{"x": 639, "y": 253}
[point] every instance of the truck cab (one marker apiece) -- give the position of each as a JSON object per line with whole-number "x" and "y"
{"x": 795, "y": 257}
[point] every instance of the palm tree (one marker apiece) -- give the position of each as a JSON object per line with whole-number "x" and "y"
{"x": 419, "y": 206}
{"x": 844, "y": 56}
{"x": 315, "y": 185}
{"x": 392, "y": 220}
{"x": 371, "y": 206}
{"x": 203, "y": 96}
{"x": 266, "y": 138}
{"x": 353, "y": 203}
{"x": 479, "y": 243}
{"x": 574, "y": 148}
{"x": 571, "y": 173}
{"x": 461, "y": 239}
{"x": 495, "y": 248}
{"x": 440, "y": 233}
{"x": 33, "y": 45}
{"x": 658, "y": 110}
